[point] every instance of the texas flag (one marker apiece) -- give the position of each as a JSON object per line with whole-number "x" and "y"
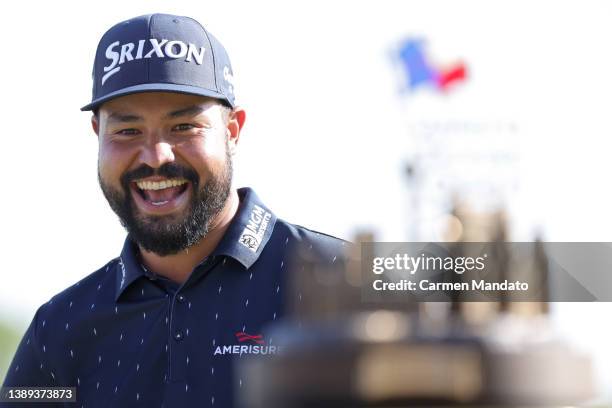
{"x": 419, "y": 69}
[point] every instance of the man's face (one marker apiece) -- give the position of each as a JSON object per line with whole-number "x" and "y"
{"x": 164, "y": 165}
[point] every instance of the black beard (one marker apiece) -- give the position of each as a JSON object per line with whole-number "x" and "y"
{"x": 167, "y": 235}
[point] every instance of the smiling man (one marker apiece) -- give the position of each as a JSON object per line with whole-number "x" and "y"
{"x": 165, "y": 167}
{"x": 204, "y": 266}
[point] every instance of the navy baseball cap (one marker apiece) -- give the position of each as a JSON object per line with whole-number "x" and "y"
{"x": 160, "y": 52}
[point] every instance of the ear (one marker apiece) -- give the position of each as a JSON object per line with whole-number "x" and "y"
{"x": 234, "y": 125}
{"x": 95, "y": 125}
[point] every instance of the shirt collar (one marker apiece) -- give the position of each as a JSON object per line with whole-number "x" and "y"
{"x": 249, "y": 231}
{"x": 128, "y": 268}
{"x": 244, "y": 240}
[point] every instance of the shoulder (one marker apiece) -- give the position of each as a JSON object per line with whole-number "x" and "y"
{"x": 94, "y": 289}
{"x": 303, "y": 234}
{"x": 62, "y": 322}
{"x": 308, "y": 240}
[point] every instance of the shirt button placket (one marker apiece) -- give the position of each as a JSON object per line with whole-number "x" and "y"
{"x": 178, "y": 332}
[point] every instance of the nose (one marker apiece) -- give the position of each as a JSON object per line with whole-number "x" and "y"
{"x": 157, "y": 153}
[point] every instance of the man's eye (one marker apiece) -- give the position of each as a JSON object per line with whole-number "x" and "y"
{"x": 128, "y": 132}
{"x": 183, "y": 126}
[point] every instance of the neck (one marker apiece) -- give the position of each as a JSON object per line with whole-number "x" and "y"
{"x": 179, "y": 266}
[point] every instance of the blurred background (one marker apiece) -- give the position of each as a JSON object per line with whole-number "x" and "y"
{"x": 360, "y": 116}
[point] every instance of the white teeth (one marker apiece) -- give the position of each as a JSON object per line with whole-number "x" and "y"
{"x": 158, "y": 202}
{"x": 159, "y": 185}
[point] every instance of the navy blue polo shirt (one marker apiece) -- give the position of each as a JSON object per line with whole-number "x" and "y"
{"x": 128, "y": 338}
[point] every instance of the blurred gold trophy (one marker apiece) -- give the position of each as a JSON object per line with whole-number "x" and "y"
{"x": 341, "y": 351}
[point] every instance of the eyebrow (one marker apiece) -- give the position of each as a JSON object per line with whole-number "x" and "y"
{"x": 188, "y": 111}
{"x": 121, "y": 118}
{"x": 127, "y": 117}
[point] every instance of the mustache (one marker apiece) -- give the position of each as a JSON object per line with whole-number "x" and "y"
{"x": 169, "y": 170}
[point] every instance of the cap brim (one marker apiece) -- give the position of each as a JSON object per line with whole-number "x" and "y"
{"x": 185, "y": 89}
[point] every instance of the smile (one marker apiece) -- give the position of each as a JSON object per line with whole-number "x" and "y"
{"x": 160, "y": 196}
